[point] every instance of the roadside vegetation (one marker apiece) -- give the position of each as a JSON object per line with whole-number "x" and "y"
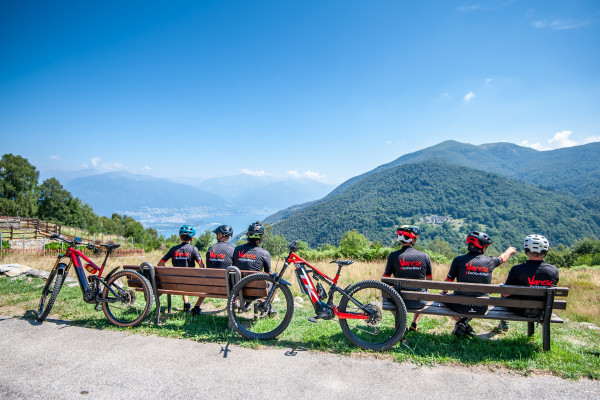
{"x": 575, "y": 344}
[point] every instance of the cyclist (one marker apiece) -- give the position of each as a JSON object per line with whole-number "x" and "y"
{"x": 220, "y": 254}
{"x": 473, "y": 267}
{"x": 533, "y": 273}
{"x": 184, "y": 255}
{"x": 250, "y": 256}
{"x": 409, "y": 263}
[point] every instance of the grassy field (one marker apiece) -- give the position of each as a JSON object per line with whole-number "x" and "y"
{"x": 575, "y": 347}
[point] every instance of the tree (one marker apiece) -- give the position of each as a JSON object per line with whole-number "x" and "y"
{"x": 352, "y": 243}
{"x": 53, "y": 204}
{"x": 204, "y": 241}
{"x": 18, "y": 186}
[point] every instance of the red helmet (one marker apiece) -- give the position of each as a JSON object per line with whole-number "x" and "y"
{"x": 407, "y": 233}
{"x": 479, "y": 240}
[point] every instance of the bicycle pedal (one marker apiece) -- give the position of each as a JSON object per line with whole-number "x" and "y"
{"x": 312, "y": 319}
{"x": 97, "y": 307}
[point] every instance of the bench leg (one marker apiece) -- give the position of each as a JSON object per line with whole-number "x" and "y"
{"x": 530, "y": 329}
{"x": 547, "y": 318}
{"x": 169, "y": 302}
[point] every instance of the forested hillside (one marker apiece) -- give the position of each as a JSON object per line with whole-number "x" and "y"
{"x": 505, "y": 208}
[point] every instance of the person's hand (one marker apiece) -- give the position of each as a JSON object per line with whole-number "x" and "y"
{"x": 511, "y": 250}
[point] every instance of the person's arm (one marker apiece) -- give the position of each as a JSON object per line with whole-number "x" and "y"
{"x": 161, "y": 263}
{"x": 388, "y": 267}
{"x": 200, "y": 263}
{"x": 507, "y": 253}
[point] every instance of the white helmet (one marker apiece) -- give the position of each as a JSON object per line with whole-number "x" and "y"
{"x": 536, "y": 244}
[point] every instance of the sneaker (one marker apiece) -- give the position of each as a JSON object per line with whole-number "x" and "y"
{"x": 469, "y": 330}
{"x": 504, "y": 326}
{"x": 272, "y": 311}
{"x": 196, "y": 310}
{"x": 413, "y": 328}
{"x": 186, "y": 307}
{"x": 459, "y": 329}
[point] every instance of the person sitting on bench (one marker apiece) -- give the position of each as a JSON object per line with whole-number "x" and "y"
{"x": 184, "y": 255}
{"x": 533, "y": 273}
{"x": 473, "y": 267}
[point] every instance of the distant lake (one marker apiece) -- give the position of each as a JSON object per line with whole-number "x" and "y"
{"x": 168, "y": 221}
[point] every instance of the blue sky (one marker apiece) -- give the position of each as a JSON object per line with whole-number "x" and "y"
{"x": 323, "y": 89}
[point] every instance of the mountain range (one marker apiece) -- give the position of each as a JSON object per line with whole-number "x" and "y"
{"x": 506, "y": 189}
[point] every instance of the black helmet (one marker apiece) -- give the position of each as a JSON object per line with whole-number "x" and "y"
{"x": 255, "y": 231}
{"x": 479, "y": 240}
{"x": 224, "y": 230}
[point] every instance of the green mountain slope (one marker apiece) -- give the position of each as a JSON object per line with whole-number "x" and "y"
{"x": 505, "y": 208}
{"x": 574, "y": 170}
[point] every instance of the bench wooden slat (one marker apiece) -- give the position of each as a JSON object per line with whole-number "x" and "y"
{"x": 398, "y": 283}
{"x": 492, "y": 313}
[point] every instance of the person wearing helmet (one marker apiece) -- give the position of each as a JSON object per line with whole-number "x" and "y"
{"x": 220, "y": 254}
{"x": 250, "y": 256}
{"x": 473, "y": 267}
{"x": 409, "y": 263}
{"x": 535, "y": 272}
{"x": 184, "y": 255}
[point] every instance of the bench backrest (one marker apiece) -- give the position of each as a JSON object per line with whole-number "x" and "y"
{"x": 203, "y": 282}
{"x": 538, "y": 296}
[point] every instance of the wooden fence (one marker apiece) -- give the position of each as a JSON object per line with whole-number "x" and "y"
{"x": 55, "y": 252}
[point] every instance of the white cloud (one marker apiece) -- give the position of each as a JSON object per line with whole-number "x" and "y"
{"x": 307, "y": 174}
{"x": 489, "y": 81}
{"x": 592, "y": 139}
{"x": 253, "y": 173}
{"x": 469, "y": 96}
{"x": 147, "y": 168}
{"x": 560, "y": 25}
{"x": 559, "y": 140}
{"x": 95, "y": 161}
{"x": 388, "y": 142}
{"x": 55, "y": 157}
{"x": 85, "y": 166}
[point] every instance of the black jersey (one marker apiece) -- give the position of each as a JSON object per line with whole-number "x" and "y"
{"x": 252, "y": 258}
{"x": 473, "y": 267}
{"x": 183, "y": 255}
{"x": 533, "y": 274}
{"x": 408, "y": 263}
{"x": 219, "y": 255}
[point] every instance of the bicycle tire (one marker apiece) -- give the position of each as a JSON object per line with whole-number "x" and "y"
{"x": 256, "y": 320}
{"x": 51, "y": 288}
{"x": 134, "y": 302}
{"x": 385, "y": 328}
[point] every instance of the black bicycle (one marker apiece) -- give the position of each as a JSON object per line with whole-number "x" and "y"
{"x": 125, "y": 296}
{"x": 372, "y": 314}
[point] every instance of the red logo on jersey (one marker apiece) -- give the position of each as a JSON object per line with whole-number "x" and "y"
{"x": 404, "y": 263}
{"x": 533, "y": 282}
{"x": 216, "y": 255}
{"x": 471, "y": 267}
{"x": 241, "y": 254}
{"x": 181, "y": 254}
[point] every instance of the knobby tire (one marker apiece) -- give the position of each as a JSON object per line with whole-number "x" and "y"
{"x": 378, "y": 333}
{"x": 52, "y": 287}
{"x": 261, "y": 325}
{"x": 135, "y": 302}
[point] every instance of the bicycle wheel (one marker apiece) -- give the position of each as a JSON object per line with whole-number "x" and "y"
{"x": 387, "y": 322}
{"x": 50, "y": 292}
{"x": 255, "y": 318}
{"x": 133, "y": 299}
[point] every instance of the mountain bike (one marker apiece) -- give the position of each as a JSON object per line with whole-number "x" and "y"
{"x": 372, "y": 314}
{"x": 125, "y": 296}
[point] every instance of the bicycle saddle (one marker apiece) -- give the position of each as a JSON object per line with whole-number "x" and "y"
{"x": 341, "y": 263}
{"x": 110, "y": 246}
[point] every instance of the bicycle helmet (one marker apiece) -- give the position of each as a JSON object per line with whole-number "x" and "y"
{"x": 187, "y": 230}
{"x": 407, "y": 233}
{"x": 479, "y": 240}
{"x": 224, "y": 230}
{"x": 255, "y": 231}
{"x": 536, "y": 244}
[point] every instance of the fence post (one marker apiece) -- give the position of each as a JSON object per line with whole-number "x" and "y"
{"x": 132, "y": 243}
{"x": 0, "y": 240}
{"x": 23, "y": 240}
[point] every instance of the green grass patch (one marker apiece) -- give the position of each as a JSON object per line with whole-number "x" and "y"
{"x": 575, "y": 348}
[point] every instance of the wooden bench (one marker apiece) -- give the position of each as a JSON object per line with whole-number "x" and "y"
{"x": 543, "y": 299}
{"x": 201, "y": 282}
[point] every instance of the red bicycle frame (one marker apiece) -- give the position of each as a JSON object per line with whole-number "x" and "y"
{"x": 309, "y": 288}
